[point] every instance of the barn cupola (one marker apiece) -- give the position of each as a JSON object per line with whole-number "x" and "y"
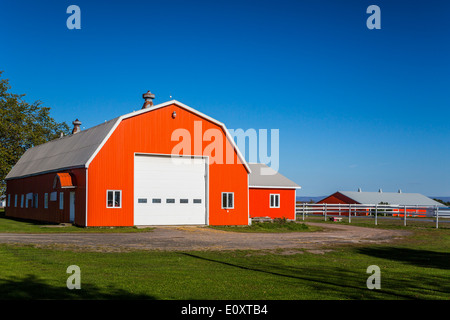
{"x": 148, "y": 97}
{"x": 76, "y": 126}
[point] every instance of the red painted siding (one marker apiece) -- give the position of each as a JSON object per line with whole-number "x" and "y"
{"x": 260, "y": 203}
{"x": 151, "y": 132}
{"x": 42, "y": 184}
{"x": 337, "y": 198}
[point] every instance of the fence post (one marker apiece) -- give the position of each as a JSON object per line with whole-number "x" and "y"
{"x": 437, "y": 216}
{"x": 325, "y": 212}
{"x": 339, "y": 209}
{"x": 350, "y": 213}
{"x": 404, "y": 213}
{"x": 376, "y": 214}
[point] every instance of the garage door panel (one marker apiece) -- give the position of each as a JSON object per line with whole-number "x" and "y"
{"x": 163, "y": 178}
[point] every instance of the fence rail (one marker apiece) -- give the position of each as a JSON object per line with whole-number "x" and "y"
{"x": 426, "y": 213}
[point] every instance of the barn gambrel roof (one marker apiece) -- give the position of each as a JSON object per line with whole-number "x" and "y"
{"x": 78, "y": 150}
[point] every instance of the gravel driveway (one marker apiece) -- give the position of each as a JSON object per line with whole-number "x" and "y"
{"x": 203, "y": 238}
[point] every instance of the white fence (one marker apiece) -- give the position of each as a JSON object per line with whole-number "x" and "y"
{"x": 424, "y": 213}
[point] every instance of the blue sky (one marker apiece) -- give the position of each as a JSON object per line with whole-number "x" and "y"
{"x": 355, "y": 107}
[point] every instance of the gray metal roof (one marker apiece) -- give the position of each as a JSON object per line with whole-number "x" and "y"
{"x": 63, "y": 153}
{"x": 393, "y": 198}
{"x": 263, "y": 176}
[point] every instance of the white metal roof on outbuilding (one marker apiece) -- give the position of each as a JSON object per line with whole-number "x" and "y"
{"x": 393, "y": 198}
{"x": 263, "y": 176}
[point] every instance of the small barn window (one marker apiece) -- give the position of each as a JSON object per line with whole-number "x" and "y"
{"x": 15, "y": 201}
{"x": 9, "y": 200}
{"x": 53, "y": 196}
{"x": 170, "y": 200}
{"x": 46, "y": 200}
{"x": 184, "y": 200}
{"x": 227, "y": 200}
{"x": 114, "y": 199}
{"x": 61, "y": 200}
{"x": 156, "y": 200}
{"x": 21, "y": 200}
{"x": 274, "y": 200}
{"x": 35, "y": 200}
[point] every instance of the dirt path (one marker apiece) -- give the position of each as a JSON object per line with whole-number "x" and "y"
{"x": 203, "y": 238}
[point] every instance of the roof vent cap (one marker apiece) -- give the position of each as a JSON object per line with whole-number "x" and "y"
{"x": 76, "y": 126}
{"x": 380, "y": 191}
{"x": 148, "y": 97}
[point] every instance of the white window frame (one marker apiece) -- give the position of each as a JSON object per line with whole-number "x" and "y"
{"x": 61, "y": 201}
{"x": 45, "y": 200}
{"x": 275, "y": 195}
{"x": 114, "y": 197}
{"x": 227, "y": 194}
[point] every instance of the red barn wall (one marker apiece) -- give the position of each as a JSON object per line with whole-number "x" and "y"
{"x": 42, "y": 184}
{"x": 260, "y": 203}
{"x": 151, "y": 132}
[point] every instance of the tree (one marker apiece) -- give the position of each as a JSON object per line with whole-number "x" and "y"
{"x": 22, "y": 126}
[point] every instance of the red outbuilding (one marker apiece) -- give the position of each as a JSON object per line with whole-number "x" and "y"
{"x": 271, "y": 194}
{"x": 167, "y": 164}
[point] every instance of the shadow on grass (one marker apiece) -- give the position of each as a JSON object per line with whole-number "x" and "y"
{"x": 418, "y": 258}
{"x": 33, "y": 288}
{"x": 330, "y": 282}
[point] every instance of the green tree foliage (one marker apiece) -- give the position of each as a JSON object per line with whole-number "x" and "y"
{"x": 22, "y": 126}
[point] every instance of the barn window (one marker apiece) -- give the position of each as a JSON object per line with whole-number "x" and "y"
{"x": 21, "y": 200}
{"x": 227, "y": 200}
{"x": 15, "y": 201}
{"x": 170, "y": 200}
{"x": 114, "y": 199}
{"x": 61, "y": 200}
{"x": 274, "y": 200}
{"x": 46, "y": 200}
{"x": 35, "y": 200}
{"x": 156, "y": 200}
{"x": 9, "y": 200}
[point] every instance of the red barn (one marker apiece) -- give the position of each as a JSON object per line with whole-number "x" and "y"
{"x": 416, "y": 203}
{"x": 271, "y": 194}
{"x": 166, "y": 164}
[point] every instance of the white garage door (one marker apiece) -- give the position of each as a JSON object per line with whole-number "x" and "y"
{"x": 169, "y": 192}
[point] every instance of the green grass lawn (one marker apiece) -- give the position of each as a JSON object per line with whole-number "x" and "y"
{"x": 417, "y": 267}
{"x": 28, "y": 226}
